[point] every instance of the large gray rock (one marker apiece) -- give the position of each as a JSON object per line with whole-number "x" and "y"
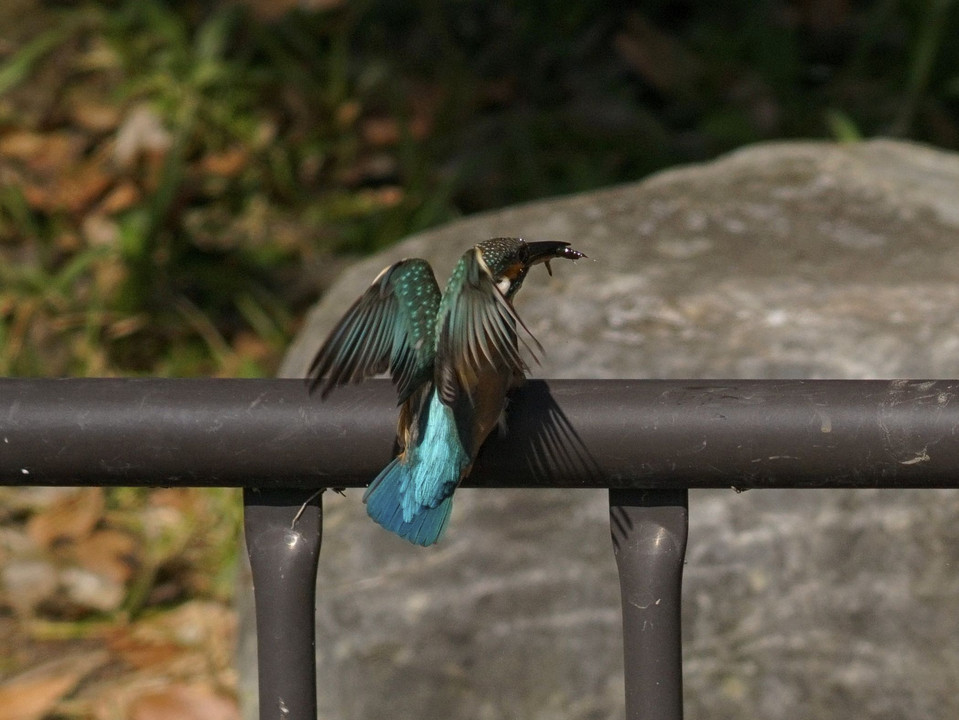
{"x": 789, "y": 260}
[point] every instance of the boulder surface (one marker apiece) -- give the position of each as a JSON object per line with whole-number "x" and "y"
{"x": 789, "y": 260}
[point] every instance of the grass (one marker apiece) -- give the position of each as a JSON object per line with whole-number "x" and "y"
{"x": 257, "y": 152}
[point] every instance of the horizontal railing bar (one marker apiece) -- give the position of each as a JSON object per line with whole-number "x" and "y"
{"x": 562, "y": 433}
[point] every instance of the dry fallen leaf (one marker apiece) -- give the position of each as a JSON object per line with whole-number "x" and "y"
{"x": 380, "y": 131}
{"x": 142, "y": 133}
{"x": 143, "y": 654}
{"x": 27, "y": 583}
{"x": 73, "y": 188}
{"x": 32, "y": 694}
{"x": 99, "y": 230}
{"x": 184, "y": 702}
{"x": 93, "y": 115}
{"x": 44, "y": 153}
{"x": 107, "y": 552}
{"x": 69, "y": 519}
{"x": 195, "y": 634}
{"x": 181, "y": 499}
{"x": 347, "y": 113}
{"x": 225, "y": 164}
{"x": 120, "y": 198}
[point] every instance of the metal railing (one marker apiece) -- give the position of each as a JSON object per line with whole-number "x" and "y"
{"x": 648, "y": 442}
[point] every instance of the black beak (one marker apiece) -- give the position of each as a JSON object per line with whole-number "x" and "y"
{"x": 543, "y": 252}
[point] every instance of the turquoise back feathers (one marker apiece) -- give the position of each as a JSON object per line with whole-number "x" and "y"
{"x": 392, "y": 326}
{"x": 452, "y": 358}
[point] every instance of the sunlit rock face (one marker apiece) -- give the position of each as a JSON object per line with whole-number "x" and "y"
{"x": 779, "y": 261}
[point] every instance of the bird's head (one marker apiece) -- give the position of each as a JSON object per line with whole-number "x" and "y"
{"x": 509, "y": 259}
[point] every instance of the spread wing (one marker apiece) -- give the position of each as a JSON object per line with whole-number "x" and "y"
{"x": 477, "y": 327}
{"x": 390, "y": 327}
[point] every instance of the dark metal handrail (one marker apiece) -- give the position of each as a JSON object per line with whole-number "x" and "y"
{"x": 562, "y": 433}
{"x": 647, "y": 441}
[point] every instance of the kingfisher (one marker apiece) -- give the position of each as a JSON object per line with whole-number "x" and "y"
{"x": 452, "y": 357}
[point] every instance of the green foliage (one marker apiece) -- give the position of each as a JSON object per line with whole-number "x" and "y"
{"x": 842, "y": 127}
{"x": 20, "y": 66}
{"x": 286, "y": 140}
{"x": 197, "y": 263}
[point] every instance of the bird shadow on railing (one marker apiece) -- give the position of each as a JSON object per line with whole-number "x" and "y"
{"x": 540, "y": 442}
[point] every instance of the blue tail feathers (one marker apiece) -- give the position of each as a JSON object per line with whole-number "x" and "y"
{"x": 390, "y": 502}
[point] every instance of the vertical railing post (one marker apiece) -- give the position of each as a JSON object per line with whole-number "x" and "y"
{"x": 283, "y": 532}
{"x": 649, "y": 529}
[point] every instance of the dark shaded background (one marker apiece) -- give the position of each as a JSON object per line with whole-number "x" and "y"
{"x": 197, "y": 171}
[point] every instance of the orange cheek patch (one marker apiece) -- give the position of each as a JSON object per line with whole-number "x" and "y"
{"x": 513, "y": 271}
